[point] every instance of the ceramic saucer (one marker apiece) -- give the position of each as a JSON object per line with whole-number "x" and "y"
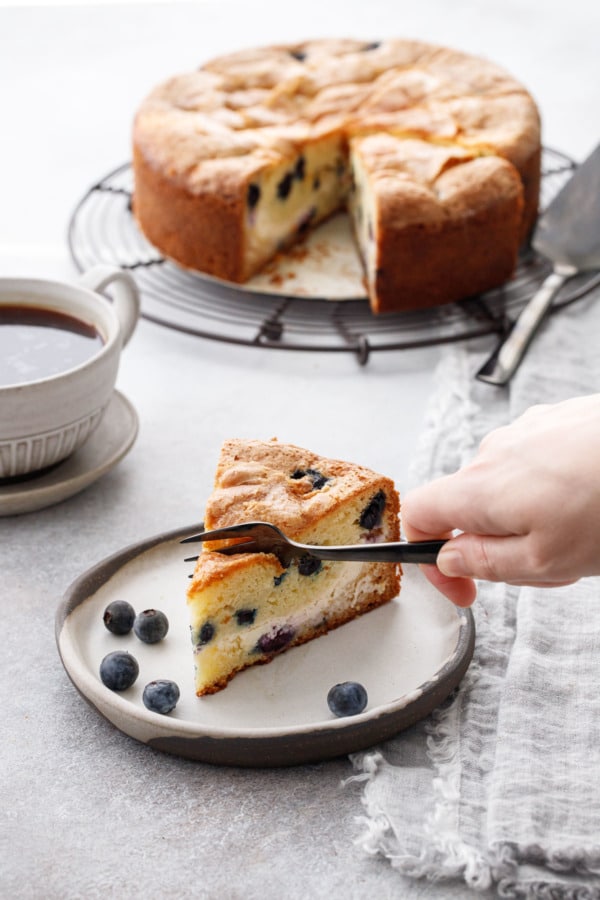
{"x": 109, "y": 443}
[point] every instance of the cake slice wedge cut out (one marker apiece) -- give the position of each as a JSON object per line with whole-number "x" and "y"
{"x": 248, "y": 608}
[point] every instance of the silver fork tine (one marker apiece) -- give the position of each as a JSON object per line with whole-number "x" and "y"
{"x": 262, "y": 537}
{"x": 235, "y": 549}
{"x": 220, "y": 533}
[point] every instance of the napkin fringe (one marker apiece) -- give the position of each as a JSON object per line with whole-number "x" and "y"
{"x": 570, "y": 866}
{"x": 378, "y": 836}
{"x": 509, "y": 889}
{"x": 444, "y": 855}
{"x": 456, "y": 858}
{"x": 567, "y": 860}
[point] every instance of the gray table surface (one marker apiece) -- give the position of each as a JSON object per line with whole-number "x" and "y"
{"x": 86, "y": 811}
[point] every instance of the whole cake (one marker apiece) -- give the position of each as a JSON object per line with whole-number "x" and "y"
{"x": 435, "y": 154}
{"x": 247, "y": 608}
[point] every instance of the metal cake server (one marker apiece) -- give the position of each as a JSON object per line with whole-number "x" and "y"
{"x": 261, "y": 537}
{"x": 568, "y": 234}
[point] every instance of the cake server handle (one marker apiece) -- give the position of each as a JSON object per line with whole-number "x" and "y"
{"x": 506, "y": 358}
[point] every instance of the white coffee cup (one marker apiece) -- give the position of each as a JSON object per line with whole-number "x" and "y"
{"x": 45, "y": 420}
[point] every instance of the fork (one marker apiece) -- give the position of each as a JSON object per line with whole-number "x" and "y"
{"x": 261, "y": 537}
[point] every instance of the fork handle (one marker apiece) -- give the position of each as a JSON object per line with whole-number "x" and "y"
{"x": 402, "y": 552}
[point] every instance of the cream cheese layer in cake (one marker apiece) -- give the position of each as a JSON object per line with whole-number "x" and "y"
{"x": 247, "y": 608}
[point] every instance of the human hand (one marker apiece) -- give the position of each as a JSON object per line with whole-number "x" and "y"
{"x": 527, "y": 506}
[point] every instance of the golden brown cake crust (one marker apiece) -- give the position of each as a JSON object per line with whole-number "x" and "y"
{"x": 169, "y": 213}
{"x": 253, "y": 484}
{"x": 200, "y": 138}
{"x": 462, "y": 208}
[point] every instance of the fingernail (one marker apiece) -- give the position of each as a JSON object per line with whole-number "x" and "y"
{"x": 451, "y": 562}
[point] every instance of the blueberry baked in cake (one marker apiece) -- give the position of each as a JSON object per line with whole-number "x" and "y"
{"x": 247, "y": 608}
{"x": 435, "y": 154}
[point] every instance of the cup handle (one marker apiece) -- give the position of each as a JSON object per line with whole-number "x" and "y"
{"x": 126, "y": 301}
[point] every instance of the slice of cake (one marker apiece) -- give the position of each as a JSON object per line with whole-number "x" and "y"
{"x": 247, "y": 608}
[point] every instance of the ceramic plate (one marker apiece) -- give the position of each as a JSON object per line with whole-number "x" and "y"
{"x": 324, "y": 266}
{"x": 409, "y": 654}
{"x": 108, "y": 444}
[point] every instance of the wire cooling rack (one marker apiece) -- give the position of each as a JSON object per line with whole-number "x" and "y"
{"x": 102, "y": 229}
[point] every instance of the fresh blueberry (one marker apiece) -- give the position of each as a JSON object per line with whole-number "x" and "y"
{"x": 372, "y": 514}
{"x": 309, "y": 565}
{"x": 119, "y": 670}
{"x": 285, "y": 185}
{"x": 317, "y": 479}
{"x": 161, "y": 696}
{"x": 151, "y": 626}
{"x": 205, "y": 634}
{"x": 276, "y": 639}
{"x": 245, "y": 616}
{"x": 347, "y": 699}
{"x": 253, "y": 195}
{"x": 118, "y": 617}
{"x": 278, "y": 579}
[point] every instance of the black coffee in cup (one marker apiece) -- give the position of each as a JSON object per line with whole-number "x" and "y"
{"x": 36, "y": 343}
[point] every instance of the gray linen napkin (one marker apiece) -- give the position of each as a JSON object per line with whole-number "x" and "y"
{"x": 501, "y": 786}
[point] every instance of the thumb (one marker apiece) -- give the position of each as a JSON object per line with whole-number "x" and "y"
{"x": 484, "y": 557}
